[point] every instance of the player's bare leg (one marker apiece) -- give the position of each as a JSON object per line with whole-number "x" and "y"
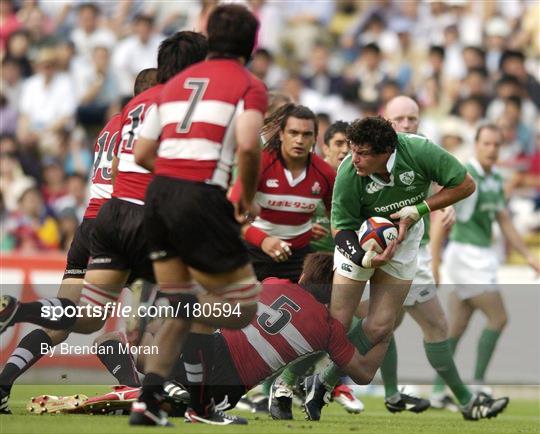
{"x": 386, "y": 298}
{"x": 431, "y": 319}
{"x": 346, "y": 295}
{"x": 100, "y": 288}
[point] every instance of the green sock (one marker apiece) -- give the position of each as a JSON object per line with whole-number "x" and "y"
{"x": 440, "y": 358}
{"x": 389, "y": 370}
{"x": 357, "y": 336}
{"x": 266, "y": 387}
{"x": 299, "y": 367}
{"x": 438, "y": 383}
{"x": 486, "y": 347}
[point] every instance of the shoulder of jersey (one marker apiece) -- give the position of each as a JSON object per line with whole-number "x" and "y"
{"x": 322, "y": 165}
{"x": 347, "y": 162}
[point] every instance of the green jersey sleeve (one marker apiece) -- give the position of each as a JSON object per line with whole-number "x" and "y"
{"x": 440, "y": 166}
{"x": 346, "y": 198}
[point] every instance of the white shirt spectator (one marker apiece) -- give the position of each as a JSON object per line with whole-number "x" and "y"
{"x": 44, "y": 103}
{"x": 132, "y": 56}
{"x": 85, "y": 42}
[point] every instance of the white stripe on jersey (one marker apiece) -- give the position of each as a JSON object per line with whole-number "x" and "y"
{"x": 189, "y": 149}
{"x": 207, "y": 111}
{"x": 222, "y": 171}
{"x": 290, "y": 333}
{"x": 101, "y": 191}
{"x": 285, "y": 202}
{"x": 267, "y": 352}
{"x": 284, "y": 232}
{"x": 127, "y": 164}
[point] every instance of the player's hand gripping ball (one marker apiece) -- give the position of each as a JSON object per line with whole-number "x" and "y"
{"x": 376, "y": 233}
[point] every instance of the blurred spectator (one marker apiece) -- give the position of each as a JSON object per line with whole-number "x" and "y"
{"x": 324, "y": 122}
{"x": 454, "y": 64}
{"x": 89, "y": 32}
{"x": 509, "y": 86}
{"x": 54, "y": 184}
{"x": 369, "y": 73}
{"x": 198, "y": 16}
{"x": 7, "y": 242}
{"x": 344, "y": 18}
{"x": 67, "y": 225}
{"x": 8, "y": 116}
{"x": 497, "y": 31}
{"x": 317, "y": 74}
{"x": 471, "y": 112}
{"x": 8, "y": 22}
{"x": 97, "y": 88}
{"x": 18, "y": 47}
{"x": 31, "y": 225}
{"x": 513, "y": 63}
{"x": 305, "y": 26}
{"x": 75, "y": 198}
{"x": 452, "y": 139}
{"x": 48, "y": 89}
{"x": 136, "y": 53}
{"x": 74, "y": 151}
{"x": 271, "y": 23}
{"x": 13, "y": 181}
{"x": 38, "y": 25}
{"x": 11, "y": 82}
{"x": 263, "y": 67}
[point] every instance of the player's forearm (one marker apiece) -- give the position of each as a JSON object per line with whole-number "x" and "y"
{"x": 448, "y": 196}
{"x": 248, "y": 172}
{"x": 511, "y": 234}
{"x": 145, "y": 153}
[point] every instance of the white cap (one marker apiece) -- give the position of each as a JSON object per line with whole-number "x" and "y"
{"x": 498, "y": 26}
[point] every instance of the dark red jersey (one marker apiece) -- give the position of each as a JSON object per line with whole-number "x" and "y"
{"x": 101, "y": 188}
{"x": 287, "y": 204}
{"x": 194, "y": 120}
{"x": 290, "y": 323}
{"x": 132, "y": 179}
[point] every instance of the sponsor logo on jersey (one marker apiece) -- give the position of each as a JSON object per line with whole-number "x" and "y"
{"x": 272, "y": 183}
{"x": 374, "y": 187}
{"x": 398, "y": 205}
{"x": 407, "y": 177}
{"x": 346, "y": 267}
{"x": 411, "y": 188}
{"x": 316, "y": 188}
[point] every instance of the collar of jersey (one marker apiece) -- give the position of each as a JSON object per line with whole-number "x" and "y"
{"x": 389, "y": 166}
{"x": 478, "y": 167}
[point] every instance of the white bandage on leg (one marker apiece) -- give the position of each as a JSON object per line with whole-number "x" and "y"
{"x": 244, "y": 292}
{"x": 96, "y": 296}
{"x": 181, "y": 288}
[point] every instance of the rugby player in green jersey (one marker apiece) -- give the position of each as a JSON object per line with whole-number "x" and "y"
{"x": 470, "y": 257}
{"x": 423, "y": 304}
{"x": 388, "y": 174}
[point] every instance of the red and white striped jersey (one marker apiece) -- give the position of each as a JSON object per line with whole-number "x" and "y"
{"x": 194, "y": 120}
{"x": 290, "y": 323}
{"x": 132, "y": 180}
{"x": 101, "y": 188}
{"x": 287, "y": 204}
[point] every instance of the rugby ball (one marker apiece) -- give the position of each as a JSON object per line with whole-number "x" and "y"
{"x": 376, "y": 233}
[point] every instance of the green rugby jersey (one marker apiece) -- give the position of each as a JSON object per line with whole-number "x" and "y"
{"x": 476, "y": 214}
{"x": 415, "y": 163}
{"x": 325, "y": 244}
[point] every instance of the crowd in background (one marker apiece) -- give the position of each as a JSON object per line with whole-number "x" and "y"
{"x": 67, "y": 66}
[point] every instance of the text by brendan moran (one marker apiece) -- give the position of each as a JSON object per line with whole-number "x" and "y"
{"x": 67, "y": 349}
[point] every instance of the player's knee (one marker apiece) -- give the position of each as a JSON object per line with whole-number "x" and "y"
{"x": 379, "y": 331}
{"x": 498, "y": 323}
{"x": 57, "y": 336}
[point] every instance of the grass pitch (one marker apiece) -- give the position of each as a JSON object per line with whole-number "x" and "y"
{"x": 521, "y": 416}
